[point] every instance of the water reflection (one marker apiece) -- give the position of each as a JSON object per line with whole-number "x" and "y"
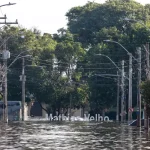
{"x": 130, "y": 138}
{"x": 71, "y": 136}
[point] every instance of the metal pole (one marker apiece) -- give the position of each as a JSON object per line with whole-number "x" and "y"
{"x": 138, "y": 88}
{"x": 5, "y": 92}
{"x": 1, "y": 87}
{"x": 5, "y": 85}
{"x": 23, "y": 89}
{"x": 118, "y": 92}
{"x": 130, "y": 89}
{"x": 122, "y": 92}
{"x": 146, "y": 118}
{"x": 70, "y": 84}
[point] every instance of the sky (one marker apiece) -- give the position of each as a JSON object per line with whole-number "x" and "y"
{"x": 46, "y": 15}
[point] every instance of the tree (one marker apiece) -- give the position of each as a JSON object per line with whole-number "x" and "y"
{"x": 93, "y": 23}
{"x": 145, "y": 88}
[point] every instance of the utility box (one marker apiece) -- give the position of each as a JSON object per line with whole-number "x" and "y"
{"x": 5, "y": 54}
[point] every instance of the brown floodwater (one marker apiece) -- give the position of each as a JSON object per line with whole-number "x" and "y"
{"x": 43, "y": 135}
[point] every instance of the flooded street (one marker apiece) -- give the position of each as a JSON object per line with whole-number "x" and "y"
{"x": 71, "y": 136}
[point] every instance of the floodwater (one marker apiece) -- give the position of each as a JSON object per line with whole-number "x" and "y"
{"x": 40, "y": 135}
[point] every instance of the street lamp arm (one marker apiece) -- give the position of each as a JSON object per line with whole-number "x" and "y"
{"x": 110, "y": 60}
{"x": 33, "y": 66}
{"x": 118, "y": 44}
{"x": 14, "y": 62}
{"x": 122, "y": 47}
{"x": 5, "y": 41}
{"x": 113, "y": 63}
{"x": 9, "y": 4}
{"x": 18, "y": 58}
{"x": 139, "y": 21}
{"x": 113, "y": 75}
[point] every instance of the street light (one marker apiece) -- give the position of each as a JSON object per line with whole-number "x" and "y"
{"x": 122, "y": 88}
{"x": 130, "y": 78}
{"x": 129, "y": 19}
{"x": 5, "y": 56}
{"x": 146, "y": 119}
{"x": 121, "y": 46}
{"x": 17, "y": 57}
{"x": 110, "y": 60}
{"x": 22, "y": 36}
{"x": 23, "y": 79}
{"x": 9, "y": 4}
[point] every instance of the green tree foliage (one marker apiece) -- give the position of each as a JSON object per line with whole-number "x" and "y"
{"x": 57, "y": 57}
{"x": 70, "y": 66}
{"x": 91, "y": 24}
{"x": 145, "y": 91}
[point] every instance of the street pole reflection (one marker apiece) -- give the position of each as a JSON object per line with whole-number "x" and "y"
{"x": 130, "y": 137}
{"x": 140, "y": 140}
{"x": 146, "y": 134}
{"x": 123, "y": 136}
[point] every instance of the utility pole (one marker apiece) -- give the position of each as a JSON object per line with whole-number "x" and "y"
{"x": 5, "y": 56}
{"x": 70, "y": 84}
{"x": 118, "y": 92}
{"x": 23, "y": 79}
{"x": 146, "y": 118}
{"x": 130, "y": 89}
{"x": 122, "y": 92}
{"x": 5, "y": 92}
{"x": 138, "y": 89}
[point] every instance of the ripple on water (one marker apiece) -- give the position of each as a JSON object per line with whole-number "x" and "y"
{"x": 71, "y": 136}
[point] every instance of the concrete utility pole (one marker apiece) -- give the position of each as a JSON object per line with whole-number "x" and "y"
{"x": 130, "y": 79}
{"x": 23, "y": 79}
{"x": 5, "y": 92}
{"x": 146, "y": 118}
{"x": 70, "y": 84}
{"x": 138, "y": 89}
{"x": 118, "y": 92}
{"x": 5, "y": 56}
{"x": 130, "y": 89}
{"x": 122, "y": 92}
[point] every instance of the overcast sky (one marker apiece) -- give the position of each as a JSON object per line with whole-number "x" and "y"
{"x": 46, "y": 15}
